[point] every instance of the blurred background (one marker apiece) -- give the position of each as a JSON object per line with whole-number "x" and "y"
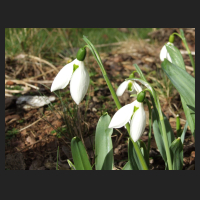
{"x": 54, "y": 43}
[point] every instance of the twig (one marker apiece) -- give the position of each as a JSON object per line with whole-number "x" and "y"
{"x": 32, "y": 144}
{"x": 121, "y": 135}
{"x": 109, "y": 44}
{"x": 185, "y": 52}
{"x": 23, "y": 82}
{"x": 43, "y": 61}
{"x": 32, "y": 123}
{"x": 28, "y": 79}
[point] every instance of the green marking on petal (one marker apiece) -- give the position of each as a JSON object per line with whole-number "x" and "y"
{"x": 130, "y": 84}
{"x": 75, "y": 67}
{"x": 134, "y": 110}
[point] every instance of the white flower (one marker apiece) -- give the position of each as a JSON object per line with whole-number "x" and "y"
{"x": 132, "y": 86}
{"x": 79, "y": 80}
{"x": 164, "y": 54}
{"x": 133, "y": 112}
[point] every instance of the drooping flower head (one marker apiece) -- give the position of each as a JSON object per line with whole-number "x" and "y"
{"x": 133, "y": 113}
{"x": 163, "y": 53}
{"x": 75, "y": 72}
{"x": 132, "y": 86}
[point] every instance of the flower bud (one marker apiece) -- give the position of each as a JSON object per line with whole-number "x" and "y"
{"x": 81, "y": 54}
{"x": 141, "y": 96}
{"x": 171, "y": 38}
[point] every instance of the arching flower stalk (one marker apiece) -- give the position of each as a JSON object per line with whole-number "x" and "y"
{"x": 133, "y": 113}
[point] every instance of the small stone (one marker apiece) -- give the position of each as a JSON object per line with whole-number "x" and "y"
{"x": 95, "y": 99}
{"x": 151, "y": 161}
{"x": 193, "y": 154}
{"x": 94, "y": 109}
{"x": 9, "y": 83}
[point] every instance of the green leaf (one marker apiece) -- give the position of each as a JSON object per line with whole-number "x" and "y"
{"x": 144, "y": 151}
{"x": 79, "y": 155}
{"x": 175, "y": 55}
{"x": 132, "y": 157}
{"x": 182, "y": 81}
{"x": 177, "y": 154}
{"x": 158, "y": 136}
{"x": 184, "y": 132}
{"x": 103, "y": 144}
{"x": 185, "y": 84}
{"x": 177, "y": 60}
{"x": 71, "y": 165}
{"x": 140, "y": 72}
{"x": 170, "y": 132}
{"x": 158, "y": 133}
{"x": 127, "y": 166}
{"x": 190, "y": 115}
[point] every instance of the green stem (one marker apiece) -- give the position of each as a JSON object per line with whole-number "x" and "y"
{"x": 169, "y": 160}
{"x": 149, "y": 135}
{"x": 137, "y": 149}
{"x": 166, "y": 143}
{"x": 157, "y": 108}
{"x": 98, "y": 59}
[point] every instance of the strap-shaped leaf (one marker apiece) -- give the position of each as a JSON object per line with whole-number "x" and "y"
{"x": 144, "y": 151}
{"x": 182, "y": 81}
{"x": 190, "y": 115}
{"x": 177, "y": 154}
{"x": 170, "y": 132}
{"x": 71, "y": 165}
{"x": 103, "y": 144}
{"x": 140, "y": 72}
{"x": 132, "y": 157}
{"x": 184, "y": 132}
{"x": 79, "y": 155}
{"x": 158, "y": 134}
{"x": 175, "y": 55}
{"x": 127, "y": 166}
{"x": 177, "y": 60}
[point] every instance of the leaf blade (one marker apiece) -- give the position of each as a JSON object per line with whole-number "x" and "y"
{"x": 103, "y": 144}
{"x": 79, "y": 155}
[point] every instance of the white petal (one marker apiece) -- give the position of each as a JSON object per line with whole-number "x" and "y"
{"x": 168, "y": 57}
{"x": 122, "y": 116}
{"x": 63, "y": 77}
{"x": 121, "y": 89}
{"x": 137, "y": 87}
{"x": 138, "y": 123}
{"x": 163, "y": 53}
{"x": 79, "y": 83}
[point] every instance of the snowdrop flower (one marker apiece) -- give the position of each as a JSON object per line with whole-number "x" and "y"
{"x": 163, "y": 53}
{"x": 133, "y": 112}
{"x": 75, "y": 72}
{"x": 132, "y": 87}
